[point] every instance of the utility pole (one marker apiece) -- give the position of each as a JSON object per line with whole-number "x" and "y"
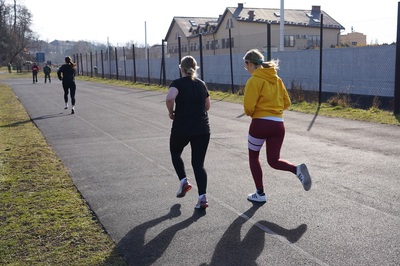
{"x": 282, "y": 27}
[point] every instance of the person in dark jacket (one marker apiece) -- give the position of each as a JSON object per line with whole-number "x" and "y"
{"x": 66, "y": 73}
{"x": 47, "y": 71}
{"x": 188, "y": 102}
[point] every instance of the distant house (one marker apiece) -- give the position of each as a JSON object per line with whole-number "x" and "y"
{"x": 63, "y": 47}
{"x": 353, "y": 39}
{"x": 249, "y": 30}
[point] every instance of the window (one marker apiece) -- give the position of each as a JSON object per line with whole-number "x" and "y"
{"x": 313, "y": 40}
{"x": 223, "y": 43}
{"x": 208, "y": 45}
{"x": 289, "y": 40}
{"x": 229, "y": 24}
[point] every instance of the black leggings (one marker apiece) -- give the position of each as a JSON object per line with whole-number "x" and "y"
{"x": 199, "y": 145}
{"x": 47, "y": 76}
{"x": 34, "y": 76}
{"x": 72, "y": 87}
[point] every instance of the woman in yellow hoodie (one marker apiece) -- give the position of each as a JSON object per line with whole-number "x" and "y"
{"x": 265, "y": 99}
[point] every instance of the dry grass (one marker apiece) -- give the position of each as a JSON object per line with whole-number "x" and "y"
{"x": 43, "y": 219}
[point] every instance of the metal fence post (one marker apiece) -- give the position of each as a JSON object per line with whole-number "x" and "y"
{"x": 320, "y": 58}
{"x": 102, "y": 63}
{"x": 201, "y": 55}
{"x": 116, "y": 63}
{"x": 180, "y": 54}
{"x": 396, "y": 109}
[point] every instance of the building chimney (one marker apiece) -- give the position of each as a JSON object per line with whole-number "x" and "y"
{"x": 240, "y": 5}
{"x": 251, "y": 14}
{"x": 315, "y": 11}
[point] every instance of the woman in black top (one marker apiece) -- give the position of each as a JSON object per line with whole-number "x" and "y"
{"x": 66, "y": 73}
{"x": 189, "y": 96}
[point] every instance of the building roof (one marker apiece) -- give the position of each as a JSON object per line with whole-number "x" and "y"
{"x": 192, "y": 26}
{"x": 189, "y": 24}
{"x": 299, "y": 17}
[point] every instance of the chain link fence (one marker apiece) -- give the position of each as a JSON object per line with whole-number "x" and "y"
{"x": 361, "y": 73}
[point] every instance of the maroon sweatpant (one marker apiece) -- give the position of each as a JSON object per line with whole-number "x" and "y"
{"x": 272, "y": 133}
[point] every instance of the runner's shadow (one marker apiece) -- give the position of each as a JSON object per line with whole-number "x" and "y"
{"x": 49, "y": 116}
{"x": 234, "y": 249}
{"x": 137, "y": 252}
{"x": 292, "y": 235}
{"x": 15, "y": 124}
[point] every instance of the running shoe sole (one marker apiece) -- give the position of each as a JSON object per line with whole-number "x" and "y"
{"x": 185, "y": 189}
{"x": 202, "y": 205}
{"x": 306, "y": 177}
{"x": 255, "y": 199}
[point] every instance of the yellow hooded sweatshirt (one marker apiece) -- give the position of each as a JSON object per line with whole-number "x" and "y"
{"x": 265, "y": 94}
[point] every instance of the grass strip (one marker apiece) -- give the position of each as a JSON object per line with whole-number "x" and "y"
{"x": 373, "y": 115}
{"x": 43, "y": 218}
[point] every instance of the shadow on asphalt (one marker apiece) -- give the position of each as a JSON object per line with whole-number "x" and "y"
{"x": 133, "y": 246}
{"x": 248, "y": 248}
{"x": 315, "y": 118}
{"x": 15, "y": 124}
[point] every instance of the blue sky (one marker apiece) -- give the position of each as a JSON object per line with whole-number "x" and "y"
{"x": 122, "y": 21}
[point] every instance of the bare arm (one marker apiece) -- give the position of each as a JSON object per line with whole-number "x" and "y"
{"x": 170, "y": 101}
{"x": 208, "y": 103}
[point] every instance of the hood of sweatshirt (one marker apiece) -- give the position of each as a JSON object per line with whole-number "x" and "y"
{"x": 269, "y": 74}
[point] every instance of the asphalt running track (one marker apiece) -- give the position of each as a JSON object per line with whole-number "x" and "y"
{"x": 116, "y": 149}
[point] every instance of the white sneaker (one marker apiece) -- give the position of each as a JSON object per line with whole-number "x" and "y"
{"x": 257, "y": 197}
{"x": 304, "y": 176}
{"x": 202, "y": 203}
{"x": 66, "y": 106}
{"x": 184, "y": 187}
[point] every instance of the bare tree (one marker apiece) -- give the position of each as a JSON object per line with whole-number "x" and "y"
{"x": 15, "y": 31}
